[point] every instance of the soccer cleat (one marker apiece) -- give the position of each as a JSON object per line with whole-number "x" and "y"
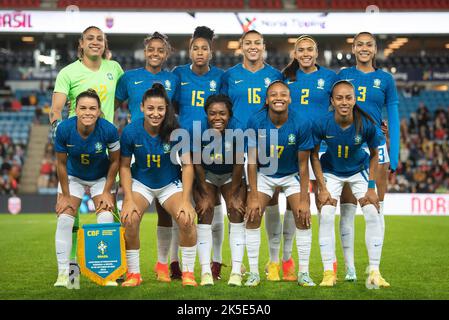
{"x": 304, "y": 280}
{"x": 375, "y": 281}
{"x": 288, "y": 270}
{"x": 62, "y": 281}
{"x": 329, "y": 279}
{"x": 74, "y": 276}
{"x": 162, "y": 273}
{"x": 273, "y": 269}
{"x": 175, "y": 270}
{"x": 188, "y": 279}
{"x": 350, "y": 275}
{"x": 253, "y": 279}
{"x": 111, "y": 283}
{"x": 207, "y": 280}
{"x": 235, "y": 280}
{"x": 216, "y": 270}
{"x": 132, "y": 280}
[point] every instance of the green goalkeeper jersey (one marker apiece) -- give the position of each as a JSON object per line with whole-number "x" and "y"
{"x": 76, "y": 78}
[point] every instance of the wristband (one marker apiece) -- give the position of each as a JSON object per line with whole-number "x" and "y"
{"x": 371, "y": 184}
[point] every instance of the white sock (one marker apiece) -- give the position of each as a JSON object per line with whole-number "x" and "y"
{"x": 347, "y": 217}
{"x": 105, "y": 217}
{"x": 174, "y": 246}
{"x": 382, "y": 218}
{"x": 252, "y": 248}
{"x": 132, "y": 259}
{"x": 274, "y": 229}
{"x": 237, "y": 244}
{"x": 164, "y": 236}
{"x": 288, "y": 232}
{"x": 373, "y": 236}
{"x": 204, "y": 244}
{"x": 327, "y": 244}
{"x": 217, "y": 233}
{"x": 303, "y": 244}
{"x": 188, "y": 255}
{"x": 63, "y": 242}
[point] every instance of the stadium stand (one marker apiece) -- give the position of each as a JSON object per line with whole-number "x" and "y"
{"x": 20, "y": 3}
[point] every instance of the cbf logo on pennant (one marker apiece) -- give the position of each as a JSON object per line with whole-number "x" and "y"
{"x": 101, "y": 251}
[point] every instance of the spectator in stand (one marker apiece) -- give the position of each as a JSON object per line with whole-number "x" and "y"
{"x": 47, "y": 168}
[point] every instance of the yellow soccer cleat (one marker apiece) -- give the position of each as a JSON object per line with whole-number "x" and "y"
{"x": 62, "y": 281}
{"x": 288, "y": 270}
{"x": 329, "y": 279}
{"x": 162, "y": 273}
{"x": 273, "y": 269}
{"x": 207, "y": 280}
{"x": 375, "y": 281}
{"x": 235, "y": 280}
{"x": 188, "y": 279}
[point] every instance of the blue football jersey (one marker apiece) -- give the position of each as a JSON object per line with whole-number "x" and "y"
{"x": 87, "y": 158}
{"x": 153, "y": 166}
{"x": 345, "y": 155}
{"x": 247, "y": 89}
{"x": 376, "y": 90}
{"x": 311, "y": 92}
{"x": 133, "y": 84}
{"x": 193, "y": 91}
{"x": 293, "y": 136}
{"x": 220, "y": 153}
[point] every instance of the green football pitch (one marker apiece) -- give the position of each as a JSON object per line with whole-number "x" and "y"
{"x": 415, "y": 261}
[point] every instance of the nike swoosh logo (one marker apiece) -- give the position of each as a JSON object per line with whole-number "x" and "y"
{"x": 344, "y": 234}
{"x": 184, "y": 83}
{"x": 138, "y": 82}
{"x": 238, "y": 81}
{"x": 202, "y": 243}
{"x": 330, "y": 137}
{"x": 377, "y": 245}
{"x": 70, "y": 145}
{"x": 60, "y": 252}
{"x": 349, "y": 79}
{"x": 138, "y": 145}
{"x": 290, "y": 82}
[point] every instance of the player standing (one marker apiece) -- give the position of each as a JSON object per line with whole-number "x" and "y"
{"x": 246, "y": 84}
{"x": 154, "y": 175}
{"x": 81, "y": 161}
{"x": 198, "y": 80}
{"x": 345, "y": 162}
{"x": 286, "y": 140}
{"x": 310, "y": 86}
{"x": 375, "y": 89}
{"x": 131, "y": 87}
{"x": 92, "y": 70}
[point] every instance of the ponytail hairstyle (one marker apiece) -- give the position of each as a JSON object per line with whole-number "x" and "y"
{"x": 357, "y": 112}
{"x": 247, "y": 33}
{"x": 204, "y": 33}
{"x": 81, "y": 51}
{"x": 169, "y": 123}
{"x": 158, "y": 36}
{"x": 289, "y": 71}
{"x": 89, "y": 93}
{"x": 366, "y": 33}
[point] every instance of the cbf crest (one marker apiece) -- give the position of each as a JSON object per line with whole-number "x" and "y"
{"x": 267, "y": 82}
{"x": 167, "y": 85}
{"x": 320, "y": 84}
{"x": 102, "y": 246}
{"x": 166, "y": 148}
{"x": 291, "y": 139}
{"x": 213, "y": 85}
{"x": 98, "y": 147}
{"x": 376, "y": 83}
{"x": 358, "y": 139}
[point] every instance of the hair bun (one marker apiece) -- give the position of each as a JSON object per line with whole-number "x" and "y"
{"x": 203, "y": 32}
